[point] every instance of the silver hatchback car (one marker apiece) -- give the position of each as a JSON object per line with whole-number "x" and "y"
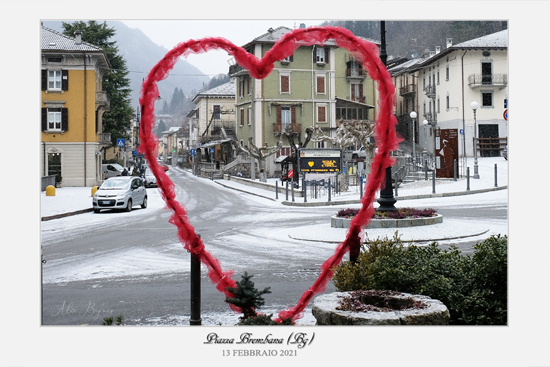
{"x": 120, "y": 193}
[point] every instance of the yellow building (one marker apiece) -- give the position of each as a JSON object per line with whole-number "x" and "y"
{"x": 72, "y": 103}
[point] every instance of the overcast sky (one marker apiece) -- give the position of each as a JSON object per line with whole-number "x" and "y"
{"x": 169, "y": 33}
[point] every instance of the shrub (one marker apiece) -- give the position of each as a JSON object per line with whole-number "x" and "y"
{"x": 400, "y": 213}
{"x": 473, "y": 287}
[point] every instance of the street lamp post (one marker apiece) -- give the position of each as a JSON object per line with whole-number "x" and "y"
{"x": 413, "y": 117}
{"x": 474, "y": 105}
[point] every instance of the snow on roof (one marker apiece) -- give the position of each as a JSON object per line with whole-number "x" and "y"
{"x": 495, "y": 40}
{"x": 52, "y": 40}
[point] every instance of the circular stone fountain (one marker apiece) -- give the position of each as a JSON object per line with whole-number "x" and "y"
{"x": 325, "y": 309}
{"x": 340, "y": 222}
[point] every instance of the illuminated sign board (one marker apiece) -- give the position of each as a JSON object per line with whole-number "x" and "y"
{"x": 320, "y": 160}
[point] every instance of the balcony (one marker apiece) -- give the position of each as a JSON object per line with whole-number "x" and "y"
{"x": 104, "y": 140}
{"x": 407, "y": 90}
{"x": 430, "y": 91}
{"x": 488, "y": 80}
{"x": 102, "y": 101}
{"x": 278, "y": 128}
{"x": 430, "y": 117}
{"x": 355, "y": 74}
{"x": 237, "y": 70}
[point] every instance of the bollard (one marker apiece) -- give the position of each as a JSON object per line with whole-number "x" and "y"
{"x": 361, "y": 188}
{"x": 395, "y": 183}
{"x": 454, "y": 166}
{"x": 50, "y": 190}
{"x": 496, "y": 185}
{"x": 94, "y": 189}
{"x": 286, "y": 190}
{"x": 292, "y": 191}
{"x": 304, "y": 188}
{"x": 276, "y": 189}
{"x": 329, "y": 189}
{"x": 433, "y": 182}
{"x": 468, "y": 179}
{"x": 195, "y": 318}
{"x": 425, "y": 170}
{"x": 212, "y": 176}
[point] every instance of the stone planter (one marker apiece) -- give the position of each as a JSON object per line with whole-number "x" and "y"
{"x": 338, "y": 222}
{"x": 324, "y": 310}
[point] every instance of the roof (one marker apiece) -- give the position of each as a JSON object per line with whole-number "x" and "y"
{"x": 51, "y": 40}
{"x": 224, "y": 90}
{"x": 494, "y": 41}
{"x": 272, "y": 35}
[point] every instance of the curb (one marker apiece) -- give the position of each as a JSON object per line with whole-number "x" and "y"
{"x": 57, "y": 216}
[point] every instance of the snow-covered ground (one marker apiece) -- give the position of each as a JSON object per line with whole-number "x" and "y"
{"x": 70, "y": 199}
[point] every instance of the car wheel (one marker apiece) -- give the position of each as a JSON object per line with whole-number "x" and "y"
{"x": 129, "y": 206}
{"x": 144, "y": 204}
{"x": 96, "y": 210}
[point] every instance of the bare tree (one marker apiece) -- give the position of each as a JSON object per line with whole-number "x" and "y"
{"x": 295, "y": 141}
{"x": 260, "y": 154}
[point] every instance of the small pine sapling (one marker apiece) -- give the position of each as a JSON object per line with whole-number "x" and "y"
{"x": 247, "y": 297}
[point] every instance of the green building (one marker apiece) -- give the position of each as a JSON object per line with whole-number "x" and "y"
{"x": 318, "y": 85}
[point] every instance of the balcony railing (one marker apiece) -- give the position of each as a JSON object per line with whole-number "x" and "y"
{"x": 430, "y": 91}
{"x": 494, "y": 80}
{"x": 358, "y": 73}
{"x": 279, "y": 128}
{"x": 105, "y": 139}
{"x": 408, "y": 89}
{"x": 101, "y": 100}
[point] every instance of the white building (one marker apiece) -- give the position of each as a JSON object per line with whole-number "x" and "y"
{"x": 448, "y": 82}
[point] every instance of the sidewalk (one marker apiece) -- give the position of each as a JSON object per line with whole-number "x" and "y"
{"x": 76, "y": 200}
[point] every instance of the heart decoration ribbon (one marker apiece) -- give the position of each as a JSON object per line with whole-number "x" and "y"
{"x": 386, "y": 140}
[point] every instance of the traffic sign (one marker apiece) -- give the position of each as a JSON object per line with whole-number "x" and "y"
{"x": 211, "y": 150}
{"x": 192, "y": 152}
{"x": 461, "y": 131}
{"x": 120, "y": 142}
{"x": 505, "y": 114}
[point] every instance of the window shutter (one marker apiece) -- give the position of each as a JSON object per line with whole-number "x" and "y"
{"x": 314, "y": 53}
{"x": 320, "y": 84}
{"x": 293, "y": 117}
{"x": 291, "y": 58}
{"x": 353, "y": 92}
{"x": 361, "y": 91}
{"x": 248, "y": 85}
{"x": 65, "y": 119}
{"x": 44, "y": 119}
{"x": 64, "y": 79}
{"x": 326, "y": 55}
{"x": 279, "y": 119}
{"x": 242, "y": 117}
{"x": 285, "y": 84}
{"x": 321, "y": 114}
{"x": 44, "y": 79}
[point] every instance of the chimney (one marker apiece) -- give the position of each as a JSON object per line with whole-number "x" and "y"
{"x": 270, "y": 31}
{"x": 302, "y": 25}
{"x": 78, "y": 37}
{"x": 449, "y": 42}
{"x": 437, "y": 49}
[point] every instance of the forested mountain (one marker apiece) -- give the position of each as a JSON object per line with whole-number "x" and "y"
{"x": 141, "y": 54}
{"x": 405, "y": 38}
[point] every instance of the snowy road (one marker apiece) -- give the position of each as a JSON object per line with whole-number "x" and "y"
{"x": 133, "y": 264}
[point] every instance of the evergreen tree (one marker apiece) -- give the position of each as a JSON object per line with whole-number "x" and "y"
{"x": 115, "y": 83}
{"x": 247, "y": 297}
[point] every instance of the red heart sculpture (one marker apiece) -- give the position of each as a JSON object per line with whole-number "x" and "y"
{"x": 386, "y": 140}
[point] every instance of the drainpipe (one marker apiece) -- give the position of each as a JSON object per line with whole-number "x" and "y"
{"x": 464, "y": 159}
{"x": 85, "y": 117}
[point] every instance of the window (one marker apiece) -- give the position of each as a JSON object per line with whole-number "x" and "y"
{"x": 216, "y": 112}
{"x": 447, "y": 73}
{"x": 322, "y": 113}
{"x": 285, "y": 117}
{"x": 242, "y": 117}
{"x": 54, "y": 79}
{"x": 486, "y": 73}
{"x": 248, "y": 113}
{"x": 54, "y": 163}
{"x": 287, "y": 60}
{"x": 447, "y": 103}
{"x": 438, "y": 105}
{"x": 487, "y": 99}
{"x": 320, "y": 84}
{"x": 285, "y": 83}
{"x": 320, "y": 55}
{"x": 438, "y": 77}
{"x": 357, "y": 92}
{"x": 55, "y": 119}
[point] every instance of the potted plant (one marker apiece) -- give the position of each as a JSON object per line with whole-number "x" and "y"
{"x": 58, "y": 180}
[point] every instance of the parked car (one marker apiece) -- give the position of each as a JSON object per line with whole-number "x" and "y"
{"x": 149, "y": 179}
{"x": 164, "y": 167}
{"x": 111, "y": 170}
{"x": 120, "y": 193}
{"x": 360, "y": 153}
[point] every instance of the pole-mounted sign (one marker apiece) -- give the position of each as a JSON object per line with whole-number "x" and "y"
{"x": 320, "y": 160}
